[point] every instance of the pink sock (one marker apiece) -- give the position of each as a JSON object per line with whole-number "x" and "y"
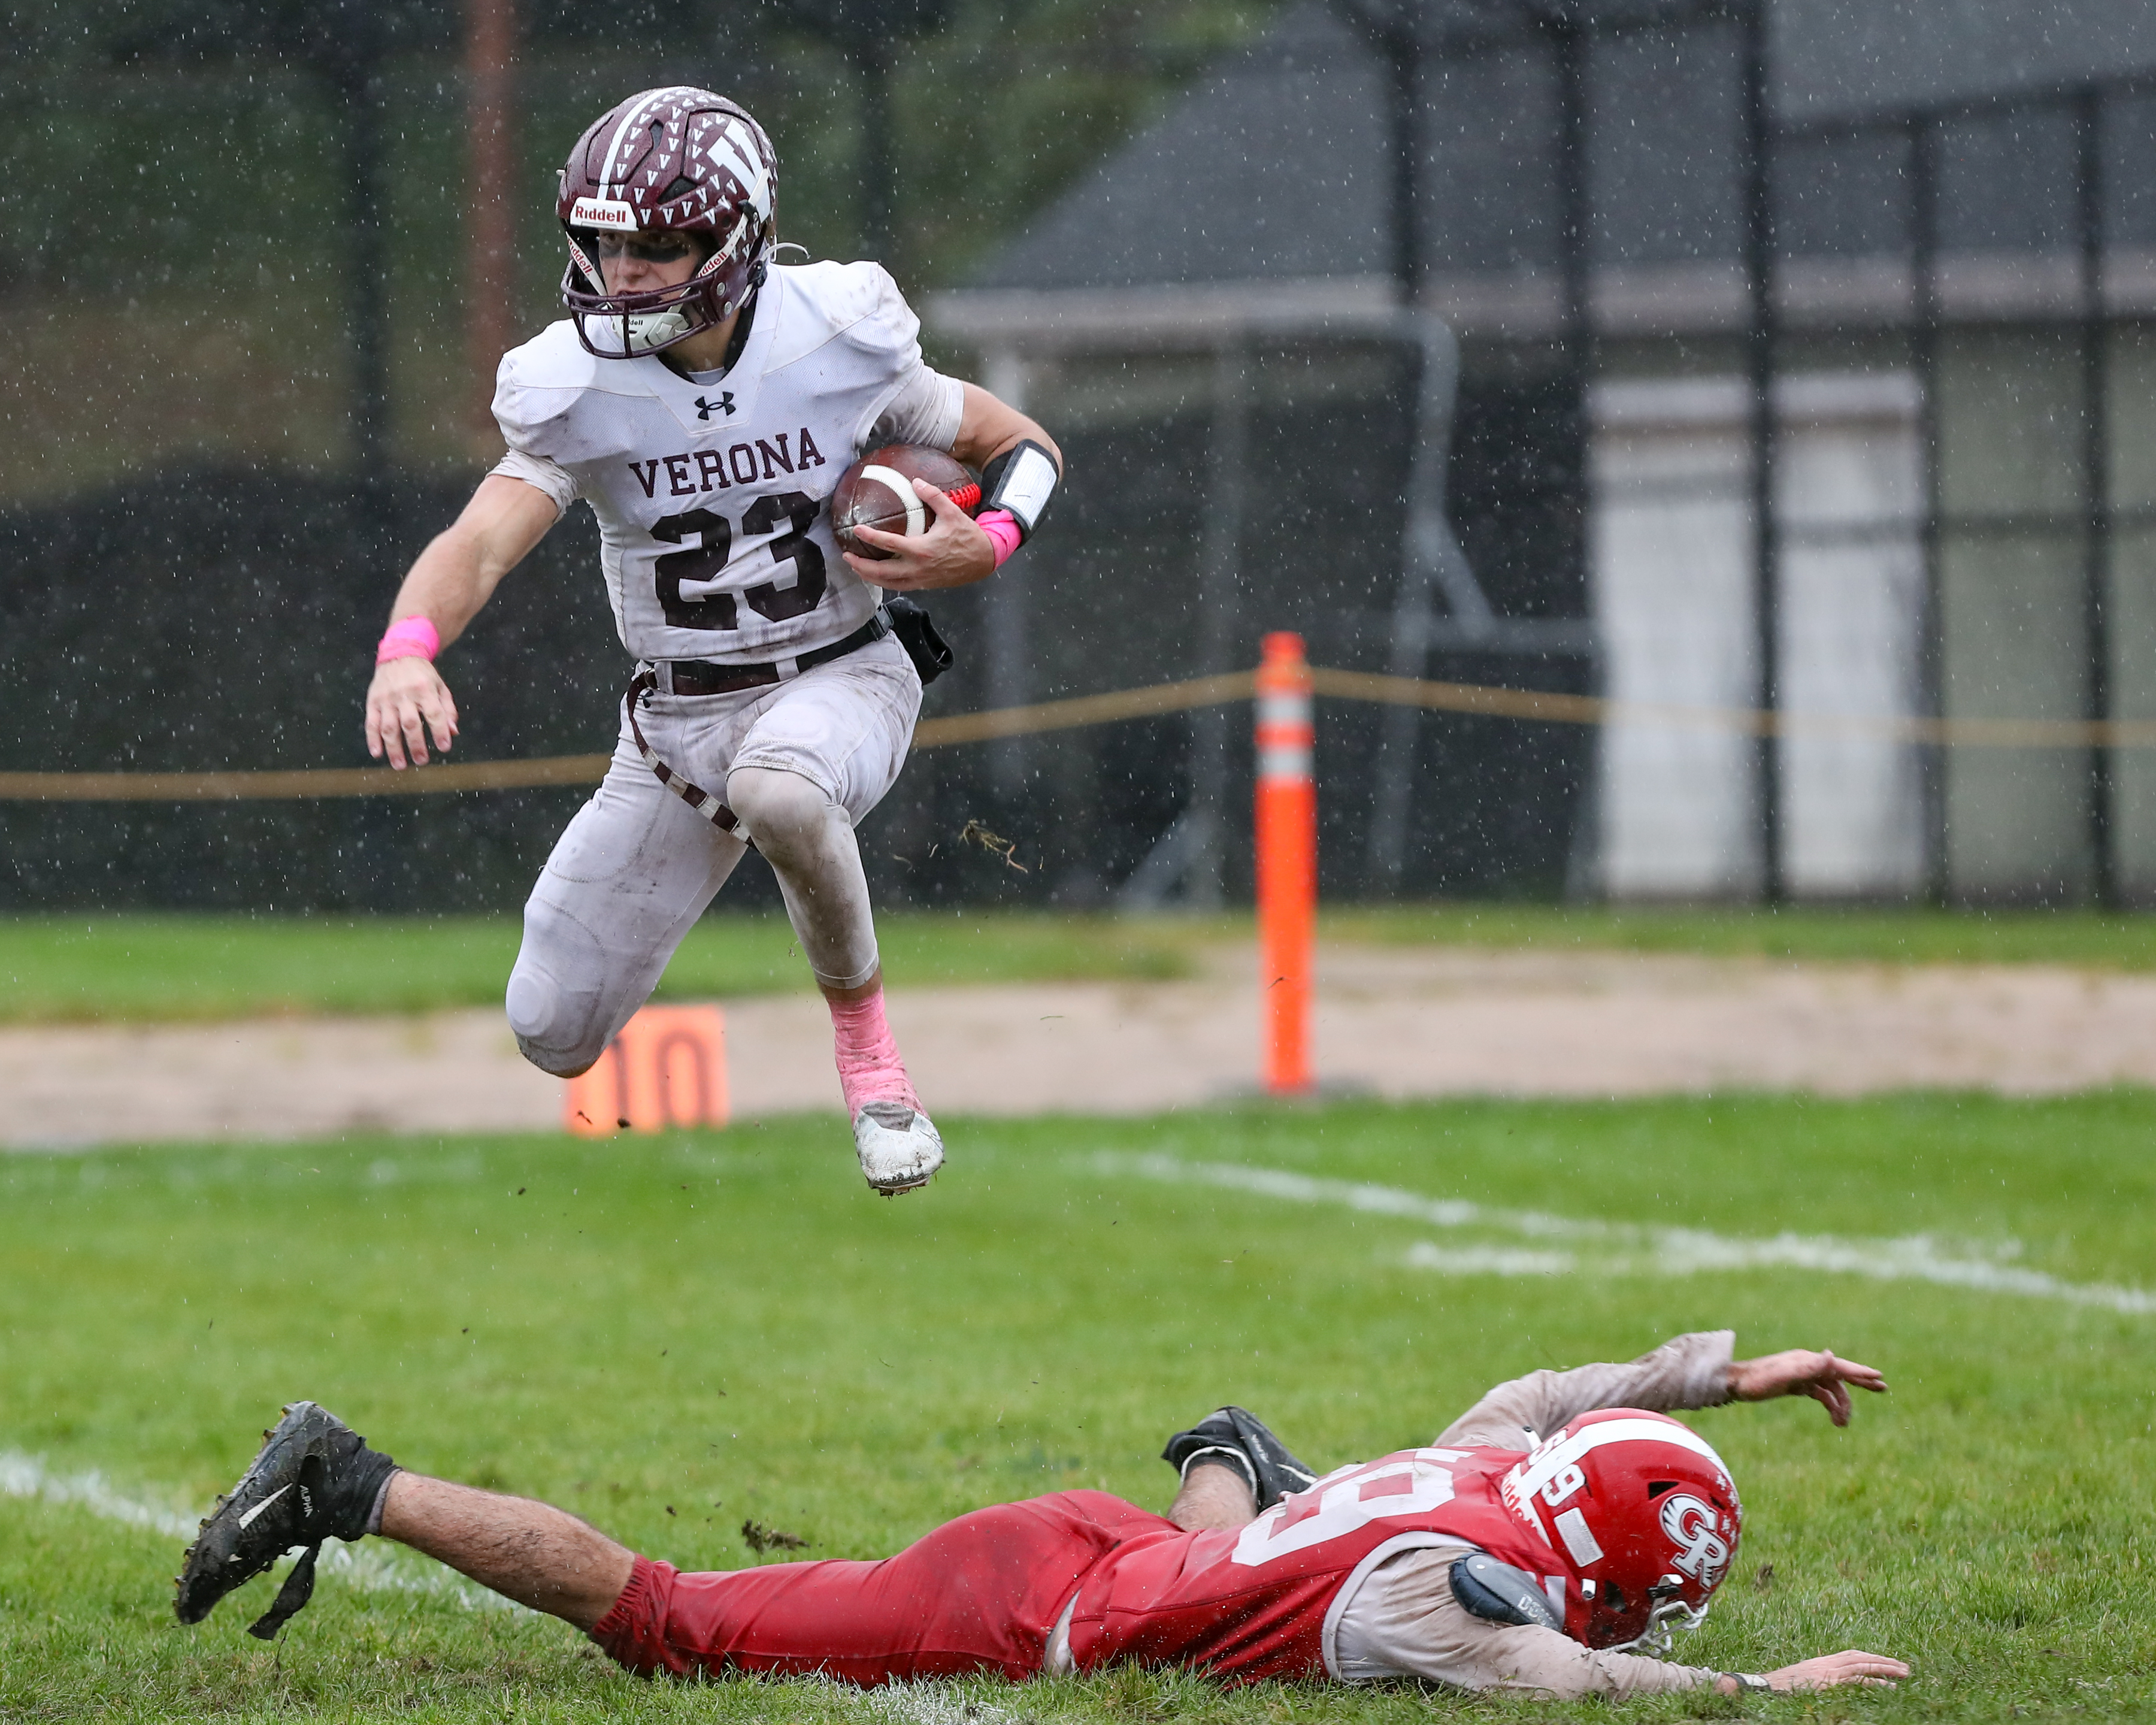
{"x": 869, "y": 1069}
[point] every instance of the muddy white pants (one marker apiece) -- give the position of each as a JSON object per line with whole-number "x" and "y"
{"x": 800, "y": 764}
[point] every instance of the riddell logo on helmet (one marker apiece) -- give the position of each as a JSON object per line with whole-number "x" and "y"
{"x": 602, "y": 212}
{"x": 1702, "y": 1553}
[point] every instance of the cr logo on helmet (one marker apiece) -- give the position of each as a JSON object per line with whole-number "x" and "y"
{"x": 1702, "y": 1552}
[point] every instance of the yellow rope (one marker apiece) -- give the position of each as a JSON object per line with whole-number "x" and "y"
{"x": 1086, "y": 709}
{"x": 1479, "y": 698}
{"x": 309, "y": 782}
{"x": 1750, "y": 722}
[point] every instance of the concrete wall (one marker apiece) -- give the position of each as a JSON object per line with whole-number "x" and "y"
{"x": 2014, "y": 640}
{"x": 1672, "y": 546}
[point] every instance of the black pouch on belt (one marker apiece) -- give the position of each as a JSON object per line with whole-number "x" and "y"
{"x": 928, "y": 650}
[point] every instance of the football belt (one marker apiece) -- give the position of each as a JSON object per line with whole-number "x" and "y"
{"x": 898, "y": 616}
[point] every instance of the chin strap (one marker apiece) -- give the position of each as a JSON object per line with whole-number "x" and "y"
{"x": 291, "y": 1598}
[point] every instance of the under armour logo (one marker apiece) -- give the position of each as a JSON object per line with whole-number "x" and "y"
{"x": 706, "y": 409}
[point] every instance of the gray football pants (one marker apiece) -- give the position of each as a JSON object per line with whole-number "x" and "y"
{"x": 800, "y": 764}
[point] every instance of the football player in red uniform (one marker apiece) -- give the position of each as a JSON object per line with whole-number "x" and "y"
{"x": 1562, "y": 1523}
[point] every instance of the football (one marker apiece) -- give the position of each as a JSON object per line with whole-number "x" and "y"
{"x": 875, "y": 492}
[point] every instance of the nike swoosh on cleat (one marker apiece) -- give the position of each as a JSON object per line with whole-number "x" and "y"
{"x": 248, "y": 1519}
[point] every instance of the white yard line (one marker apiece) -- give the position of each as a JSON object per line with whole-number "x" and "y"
{"x": 27, "y": 1476}
{"x": 370, "y": 1568}
{"x": 1628, "y": 1248}
{"x": 929, "y": 1702}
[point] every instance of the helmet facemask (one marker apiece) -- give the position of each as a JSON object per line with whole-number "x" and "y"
{"x": 629, "y": 325}
{"x": 1668, "y": 1612}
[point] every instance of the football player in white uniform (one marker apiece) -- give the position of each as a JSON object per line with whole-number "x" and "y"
{"x": 703, "y": 400}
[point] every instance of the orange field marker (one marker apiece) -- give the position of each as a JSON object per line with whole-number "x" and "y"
{"x": 1288, "y": 861}
{"x": 668, "y": 1067}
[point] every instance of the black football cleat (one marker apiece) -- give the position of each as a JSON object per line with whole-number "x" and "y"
{"x": 1241, "y": 1440}
{"x": 314, "y": 1480}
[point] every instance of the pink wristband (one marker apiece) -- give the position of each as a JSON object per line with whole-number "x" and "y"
{"x": 409, "y": 637}
{"x": 1001, "y": 525}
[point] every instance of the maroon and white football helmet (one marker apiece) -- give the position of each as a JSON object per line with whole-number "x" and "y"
{"x": 1646, "y": 1512}
{"x": 680, "y": 160}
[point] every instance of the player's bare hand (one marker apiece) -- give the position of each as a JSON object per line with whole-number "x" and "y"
{"x": 407, "y": 698}
{"x": 1800, "y": 1371}
{"x": 1873, "y": 1669}
{"x": 953, "y": 551}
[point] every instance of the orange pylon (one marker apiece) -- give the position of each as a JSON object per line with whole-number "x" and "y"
{"x": 1287, "y": 862}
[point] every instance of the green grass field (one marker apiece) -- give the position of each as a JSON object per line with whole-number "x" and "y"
{"x": 106, "y": 966}
{"x": 117, "y": 967}
{"x": 670, "y": 1335}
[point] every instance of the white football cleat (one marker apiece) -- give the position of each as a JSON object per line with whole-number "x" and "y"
{"x": 898, "y": 1146}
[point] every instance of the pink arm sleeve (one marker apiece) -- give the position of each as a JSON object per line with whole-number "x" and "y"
{"x": 1001, "y": 526}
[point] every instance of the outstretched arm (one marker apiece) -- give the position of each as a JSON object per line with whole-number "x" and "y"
{"x": 1800, "y": 1371}
{"x": 1406, "y": 1621}
{"x": 1691, "y": 1371}
{"x": 450, "y": 580}
{"x": 1875, "y": 1671}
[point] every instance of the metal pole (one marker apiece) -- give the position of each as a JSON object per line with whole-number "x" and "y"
{"x": 1576, "y": 207}
{"x": 2095, "y": 485}
{"x": 1406, "y": 657}
{"x": 1219, "y": 617}
{"x": 354, "y": 71}
{"x": 490, "y": 264}
{"x": 1402, "y": 66}
{"x": 1931, "y": 624}
{"x": 368, "y": 871}
{"x": 1759, "y": 367}
{"x": 1578, "y": 358}
{"x": 871, "y": 55}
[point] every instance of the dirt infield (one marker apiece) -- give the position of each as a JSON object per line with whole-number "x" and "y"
{"x": 1431, "y": 1022}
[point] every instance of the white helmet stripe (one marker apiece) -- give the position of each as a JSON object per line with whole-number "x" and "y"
{"x": 631, "y": 121}
{"x": 1547, "y": 1464}
{"x": 738, "y": 151}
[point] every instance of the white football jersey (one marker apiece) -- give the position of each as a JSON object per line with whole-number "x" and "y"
{"x": 711, "y": 497}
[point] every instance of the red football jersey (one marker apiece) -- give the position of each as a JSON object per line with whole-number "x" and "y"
{"x": 1263, "y": 1600}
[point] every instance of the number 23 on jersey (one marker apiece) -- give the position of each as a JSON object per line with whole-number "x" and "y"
{"x": 706, "y": 560}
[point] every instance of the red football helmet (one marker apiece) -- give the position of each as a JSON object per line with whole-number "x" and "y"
{"x": 679, "y": 160}
{"x": 1646, "y": 1512}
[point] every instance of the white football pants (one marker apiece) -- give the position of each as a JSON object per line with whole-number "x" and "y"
{"x": 799, "y": 764}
